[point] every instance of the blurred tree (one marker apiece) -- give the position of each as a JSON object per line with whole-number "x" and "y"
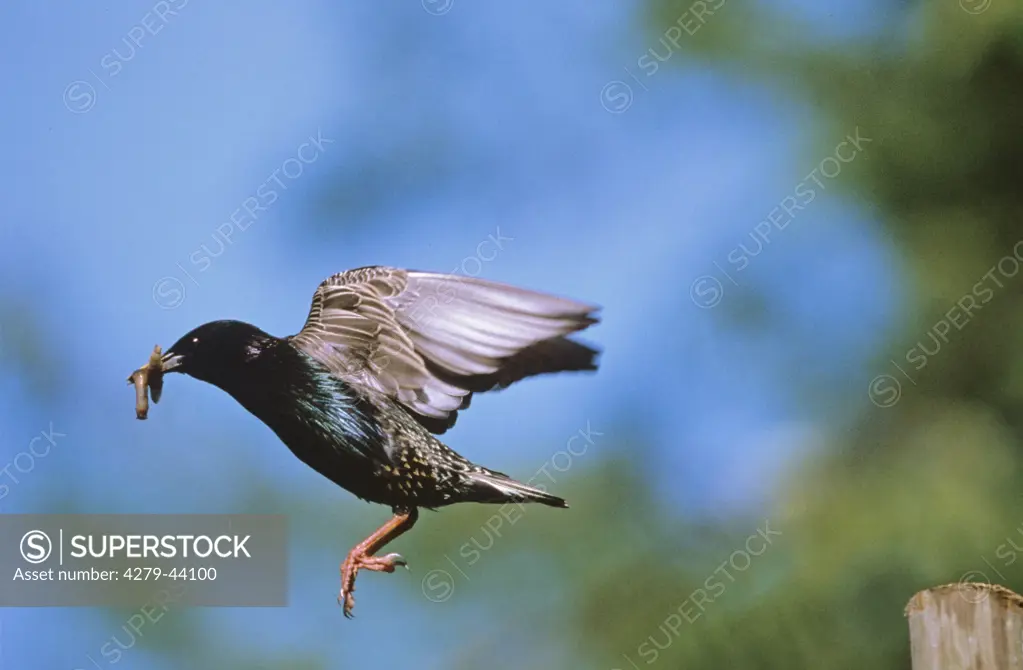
{"x": 924, "y": 489}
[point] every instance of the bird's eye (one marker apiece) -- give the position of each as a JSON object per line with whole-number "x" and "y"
{"x": 195, "y": 340}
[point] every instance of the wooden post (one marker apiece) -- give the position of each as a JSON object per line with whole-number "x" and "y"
{"x": 966, "y": 626}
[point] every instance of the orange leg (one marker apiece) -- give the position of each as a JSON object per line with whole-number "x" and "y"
{"x": 361, "y": 556}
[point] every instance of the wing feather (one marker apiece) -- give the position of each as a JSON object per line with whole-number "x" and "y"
{"x": 431, "y": 340}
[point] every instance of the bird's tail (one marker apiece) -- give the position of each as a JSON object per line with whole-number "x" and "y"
{"x": 496, "y": 487}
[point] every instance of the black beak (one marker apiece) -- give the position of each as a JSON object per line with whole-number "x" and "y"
{"x": 170, "y": 361}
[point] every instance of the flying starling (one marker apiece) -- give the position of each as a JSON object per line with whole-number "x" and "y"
{"x": 385, "y": 361}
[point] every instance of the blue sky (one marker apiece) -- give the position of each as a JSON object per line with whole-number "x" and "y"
{"x": 115, "y": 181}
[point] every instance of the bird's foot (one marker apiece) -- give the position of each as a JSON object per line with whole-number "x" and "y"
{"x": 358, "y": 560}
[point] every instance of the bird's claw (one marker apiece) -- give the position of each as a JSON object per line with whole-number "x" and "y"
{"x": 392, "y": 561}
{"x": 347, "y": 602}
{"x": 350, "y": 569}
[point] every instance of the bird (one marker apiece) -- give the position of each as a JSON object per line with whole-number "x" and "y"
{"x": 386, "y": 360}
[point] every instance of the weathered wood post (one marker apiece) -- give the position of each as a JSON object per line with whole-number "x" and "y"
{"x": 966, "y": 626}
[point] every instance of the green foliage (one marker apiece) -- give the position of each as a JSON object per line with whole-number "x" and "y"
{"x": 916, "y": 494}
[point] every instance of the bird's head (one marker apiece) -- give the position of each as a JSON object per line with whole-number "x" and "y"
{"x": 215, "y": 352}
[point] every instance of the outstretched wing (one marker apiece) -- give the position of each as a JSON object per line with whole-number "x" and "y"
{"x": 431, "y": 340}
